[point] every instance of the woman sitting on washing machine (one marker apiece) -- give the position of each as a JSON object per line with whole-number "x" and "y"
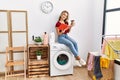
{"x": 62, "y": 28}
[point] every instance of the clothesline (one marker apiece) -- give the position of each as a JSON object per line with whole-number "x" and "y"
{"x": 111, "y": 35}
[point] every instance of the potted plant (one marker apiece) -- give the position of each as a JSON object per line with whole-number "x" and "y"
{"x": 38, "y": 54}
{"x": 38, "y": 40}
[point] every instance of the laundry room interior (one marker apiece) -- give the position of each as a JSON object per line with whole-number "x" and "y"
{"x": 32, "y": 45}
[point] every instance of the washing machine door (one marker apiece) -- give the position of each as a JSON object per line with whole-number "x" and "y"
{"x": 62, "y": 60}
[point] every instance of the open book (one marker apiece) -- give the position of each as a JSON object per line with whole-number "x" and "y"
{"x": 63, "y": 27}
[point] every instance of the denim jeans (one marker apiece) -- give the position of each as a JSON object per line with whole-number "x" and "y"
{"x": 68, "y": 41}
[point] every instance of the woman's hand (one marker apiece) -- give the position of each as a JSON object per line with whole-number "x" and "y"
{"x": 59, "y": 32}
{"x": 63, "y": 31}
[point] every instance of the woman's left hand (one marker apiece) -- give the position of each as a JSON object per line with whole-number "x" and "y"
{"x": 72, "y": 22}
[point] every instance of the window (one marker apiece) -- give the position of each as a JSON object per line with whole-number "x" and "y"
{"x": 111, "y": 22}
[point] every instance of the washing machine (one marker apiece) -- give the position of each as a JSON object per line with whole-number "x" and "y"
{"x": 61, "y": 60}
{"x": 117, "y": 69}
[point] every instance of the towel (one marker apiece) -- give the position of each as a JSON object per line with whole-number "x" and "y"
{"x": 90, "y": 62}
{"x": 104, "y": 62}
{"x": 97, "y": 69}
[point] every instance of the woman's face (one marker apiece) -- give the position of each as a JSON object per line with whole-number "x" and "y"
{"x": 64, "y": 16}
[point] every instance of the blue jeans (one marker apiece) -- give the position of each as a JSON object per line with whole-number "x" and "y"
{"x": 65, "y": 39}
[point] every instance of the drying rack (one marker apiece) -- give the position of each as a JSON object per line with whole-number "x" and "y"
{"x": 115, "y": 36}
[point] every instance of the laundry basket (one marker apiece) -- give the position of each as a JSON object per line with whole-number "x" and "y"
{"x": 108, "y": 73}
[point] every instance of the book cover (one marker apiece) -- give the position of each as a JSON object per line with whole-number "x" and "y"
{"x": 62, "y": 26}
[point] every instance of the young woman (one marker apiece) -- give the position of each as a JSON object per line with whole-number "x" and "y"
{"x": 62, "y": 28}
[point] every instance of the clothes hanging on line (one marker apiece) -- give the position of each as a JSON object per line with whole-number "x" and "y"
{"x": 110, "y": 46}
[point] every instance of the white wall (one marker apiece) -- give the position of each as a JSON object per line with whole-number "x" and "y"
{"x": 86, "y": 13}
{"x": 98, "y": 24}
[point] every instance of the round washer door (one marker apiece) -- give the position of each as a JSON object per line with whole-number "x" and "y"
{"x": 62, "y": 60}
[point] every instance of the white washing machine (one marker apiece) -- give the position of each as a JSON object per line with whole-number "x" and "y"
{"x": 61, "y": 60}
{"x": 117, "y": 69}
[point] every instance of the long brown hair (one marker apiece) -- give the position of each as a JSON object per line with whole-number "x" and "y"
{"x": 66, "y": 20}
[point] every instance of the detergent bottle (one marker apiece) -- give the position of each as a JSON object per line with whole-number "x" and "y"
{"x": 45, "y": 38}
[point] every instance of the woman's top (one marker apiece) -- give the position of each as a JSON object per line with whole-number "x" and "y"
{"x": 62, "y": 26}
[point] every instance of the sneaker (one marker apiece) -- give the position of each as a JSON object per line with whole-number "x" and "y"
{"x": 82, "y": 62}
{"x": 77, "y": 63}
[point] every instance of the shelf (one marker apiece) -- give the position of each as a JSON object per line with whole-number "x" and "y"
{"x": 11, "y": 63}
{"x": 34, "y": 61}
{"x": 36, "y": 45}
{"x": 37, "y": 68}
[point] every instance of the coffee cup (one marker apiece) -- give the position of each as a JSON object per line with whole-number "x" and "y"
{"x": 72, "y": 22}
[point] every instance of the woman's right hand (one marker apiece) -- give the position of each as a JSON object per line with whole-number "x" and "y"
{"x": 59, "y": 32}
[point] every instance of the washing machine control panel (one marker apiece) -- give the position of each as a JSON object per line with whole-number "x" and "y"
{"x": 58, "y": 47}
{"x": 54, "y": 47}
